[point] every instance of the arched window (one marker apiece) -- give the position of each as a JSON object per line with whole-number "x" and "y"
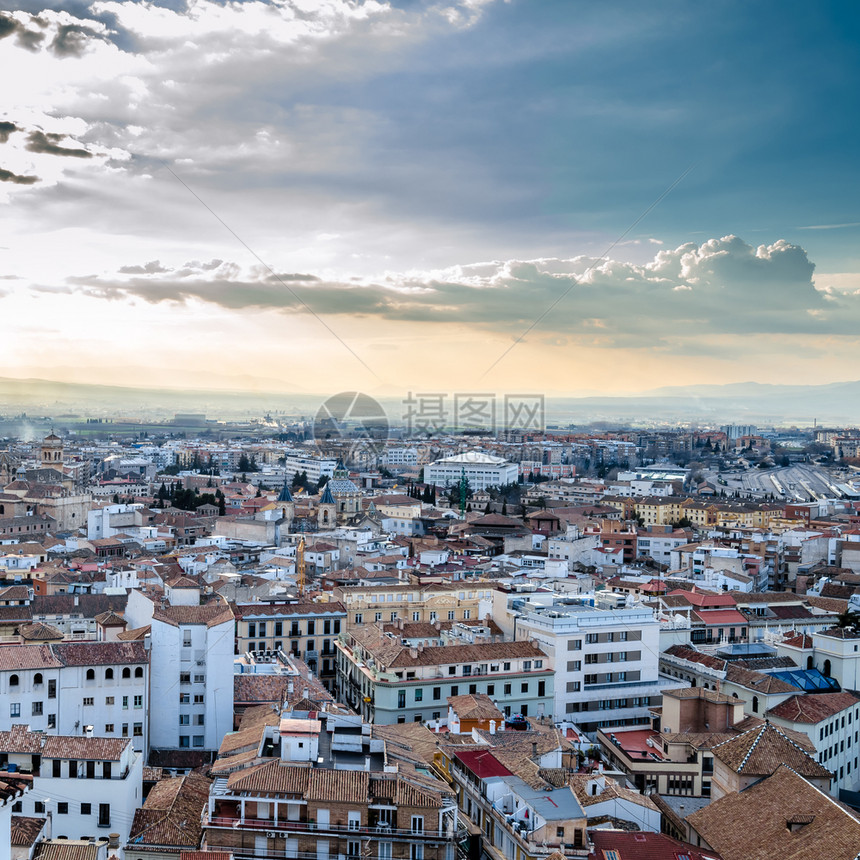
{"x": 13, "y": 680}
{"x": 108, "y": 674}
{"x": 138, "y": 672}
{"x": 827, "y": 668}
{"x": 2, "y": 509}
{"x": 37, "y": 678}
{"x": 809, "y": 662}
{"x": 126, "y": 673}
{"x": 755, "y": 704}
{"x": 91, "y": 674}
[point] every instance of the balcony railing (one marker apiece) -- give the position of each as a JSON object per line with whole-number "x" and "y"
{"x": 236, "y": 823}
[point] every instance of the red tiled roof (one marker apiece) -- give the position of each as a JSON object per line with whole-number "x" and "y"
{"x": 482, "y": 764}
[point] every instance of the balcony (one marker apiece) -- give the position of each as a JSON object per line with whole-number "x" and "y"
{"x": 287, "y": 827}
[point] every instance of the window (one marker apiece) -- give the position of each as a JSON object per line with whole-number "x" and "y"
{"x": 261, "y": 630}
{"x": 125, "y": 730}
{"x": 184, "y": 699}
{"x": 138, "y": 672}
{"x": 86, "y": 809}
{"x": 524, "y": 687}
{"x": 455, "y": 690}
{"x": 108, "y": 728}
{"x": 91, "y": 674}
{"x": 62, "y": 808}
{"x": 198, "y": 719}
{"x": 377, "y": 616}
{"x": 125, "y": 703}
{"x": 15, "y": 709}
{"x": 416, "y": 616}
{"x": 184, "y": 741}
{"x": 17, "y": 806}
{"x": 39, "y": 806}
{"x": 37, "y": 679}
{"x": 108, "y": 674}
{"x": 184, "y": 677}
{"x": 417, "y": 823}
{"x": 52, "y": 689}
{"x": 507, "y": 689}
{"x": 467, "y": 614}
{"x": 590, "y": 638}
{"x": 126, "y": 673}
{"x": 137, "y": 730}
{"x": 541, "y": 688}
{"x": 198, "y": 740}
{"x": 199, "y": 698}
{"x": 419, "y": 694}
{"x": 37, "y": 709}
{"x": 184, "y": 719}
{"x": 473, "y": 688}
{"x": 437, "y": 693}
{"x": 104, "y": 815}
{"x": 451, "y": 614}
{"x": 574, "y": 665}
{"x": 574, "y": 644}
{"x": 88, "y": 701}
{"x": 52, "y": 721}
{"x": 506, "y": 667}
{"x": 138, "y": 701}
{"x": 359, "y": 618}
{"x": 13, "y": 681}
{"x": 401, "y": 698}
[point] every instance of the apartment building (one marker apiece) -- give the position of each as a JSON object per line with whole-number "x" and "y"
{"x": 412, "y": 602}
{"x": 61, "y": 689}
{"x": 832, "y": 722}
{"x": 389, "y": 682}
{"x": 605, "y": 661}
{"x": 303, "y": 629}
{"x": 90, "y": 785}
{"x": 354, "y": 801}
{"x": 191, "y": 658}
{"x": 480, "y": 470}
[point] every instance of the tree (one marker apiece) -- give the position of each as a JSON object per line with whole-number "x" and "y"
{"x": 504, "y": 507}
{"x": 322, "y": 481}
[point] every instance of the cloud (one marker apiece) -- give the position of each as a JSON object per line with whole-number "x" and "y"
{"x": 16, "y": 179}
{"x": 40, "y": 141}
{"x": 152, "y": 268}
{"x": 6, "y": 128}
{"x": 29, "y": 39}
{"x": 722, "y": 286}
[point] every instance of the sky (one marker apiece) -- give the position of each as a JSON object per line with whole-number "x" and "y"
{"x": 467, "y": 195}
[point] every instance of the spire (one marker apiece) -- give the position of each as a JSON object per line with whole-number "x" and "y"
{"x": 340, "y": 471}
{"x": 285, "y": 494}
{"x": 327, "y": 497}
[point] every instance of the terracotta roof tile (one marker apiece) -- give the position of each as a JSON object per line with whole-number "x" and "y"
{"x": 782, "y": 817}
{"x": 759, "y": 752}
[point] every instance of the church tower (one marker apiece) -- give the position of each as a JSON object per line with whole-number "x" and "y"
{"x": 287, "y": 506}
{"x": 8, "y": 471}
{"x": 52, "y": 453}
{"x": 327, "y": 510}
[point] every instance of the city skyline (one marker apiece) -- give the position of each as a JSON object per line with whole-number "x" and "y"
{"x": 390, "y": 197}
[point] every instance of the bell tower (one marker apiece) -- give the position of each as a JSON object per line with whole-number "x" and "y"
{"x": 327, "y": 510}
{"x": 52, "y": 452}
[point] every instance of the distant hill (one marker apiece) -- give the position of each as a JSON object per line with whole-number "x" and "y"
{"x": 835, "y": 403}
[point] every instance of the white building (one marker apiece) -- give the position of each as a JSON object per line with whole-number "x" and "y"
{"x": 481, "y": 470}
{"x": 313, "y": 467}
{"x": 831, "y": 721}
{"x": 91, "y": 786}
{"x": 605, "y": 661}
{"x": 191, "y": 660}
{"x": 61, "y": 689}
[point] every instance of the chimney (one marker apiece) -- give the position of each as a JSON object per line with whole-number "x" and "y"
{"x": 492, "y": 727}
{"x": 306, "y": 693}
{"x": 113, "y": 840}
{"x": 534, "y": 749}
{"x": 290, "y": 687}
{"x": 367, "y": 763}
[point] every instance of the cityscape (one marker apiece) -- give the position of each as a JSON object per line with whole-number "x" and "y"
{"x": 429, "y": 430}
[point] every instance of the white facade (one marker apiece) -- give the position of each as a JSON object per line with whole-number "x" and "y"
{"x": 314, "y": 467}
{"x": 605, "y": 661}
{"x": 481, "y": 470}
{"x": 191, "y": 660}
{"x": 59, "y": 691}
{"x": 87, "y": 796}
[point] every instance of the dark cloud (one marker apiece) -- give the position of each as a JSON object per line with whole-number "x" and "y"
{"x": 71, "y": 39}
{"x": 16, "y": 179}
{"x": 723, "y": 286}
{"x": 39, "y": 141}
{"x": 29, "y": 39}
{"x": 6, "y": 128}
